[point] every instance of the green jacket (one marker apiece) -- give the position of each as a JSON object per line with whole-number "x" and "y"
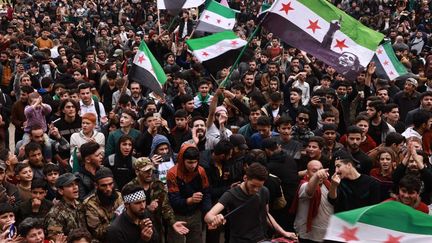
{"x": 164, "y": 211}
{"x": 113, "y": 138}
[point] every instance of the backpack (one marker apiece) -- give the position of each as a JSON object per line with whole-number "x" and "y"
{"x": 97, "y": 108}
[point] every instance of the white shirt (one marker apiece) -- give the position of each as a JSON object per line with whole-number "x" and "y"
{"x": 305, "y": 91}
{"x": 320, "y": 222}
{"x": 92, "y": 109}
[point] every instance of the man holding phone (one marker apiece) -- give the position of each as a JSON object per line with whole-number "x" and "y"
{"x": 162, "y": 156}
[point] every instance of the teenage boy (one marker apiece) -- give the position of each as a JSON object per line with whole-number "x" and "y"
{"x": 67, "y": 214}
{"x": 24, "y": 174}
{"x": 127, "y": 121}
{"x": 37, "y": 206}
{"x": 51, "y": 173}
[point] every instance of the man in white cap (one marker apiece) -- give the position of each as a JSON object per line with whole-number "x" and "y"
{"x": 408, "y": 98}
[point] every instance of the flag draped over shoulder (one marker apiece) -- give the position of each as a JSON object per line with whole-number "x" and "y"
{"x": 147, "y": 70}
{"x": 388, "y": 222}
{"x": 174, "y": 6}
{"x": 218, "y": 50}
{"x": 387, "y": 64}
{"x": 216, "y": 18}
{"x": 323, "y": 30}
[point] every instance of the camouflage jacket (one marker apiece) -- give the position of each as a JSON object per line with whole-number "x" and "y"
{"x": 98, "y": 217}
{"x": 64, "y": 217}
{"x": 164, "y": 211}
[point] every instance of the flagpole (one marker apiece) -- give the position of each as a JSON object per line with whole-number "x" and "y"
{"x": 223, "y": 83}
{"x": 158, "y": 15}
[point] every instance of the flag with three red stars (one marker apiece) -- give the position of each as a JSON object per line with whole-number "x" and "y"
{"x": 217, "y": 51}
{"x": 387, "y": 222}
{"x": 387, "y": 64}
{"x": 324, "y": 31}
{"x": 147, "y": 70}
{"x": 216, "y": 18}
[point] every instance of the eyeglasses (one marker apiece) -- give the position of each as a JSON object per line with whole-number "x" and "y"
{"x": 303, "y": 119}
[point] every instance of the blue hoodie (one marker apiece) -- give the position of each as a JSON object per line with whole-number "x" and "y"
{"x": 158, "y": 140}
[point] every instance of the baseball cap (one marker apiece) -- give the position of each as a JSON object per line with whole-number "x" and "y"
{"x": 143, "y": 163}
{"x": 66, "y": 179}
{"x": 344, "y": 155}
{"x": 238, "y": 140}
{"x": 118, "y": 52}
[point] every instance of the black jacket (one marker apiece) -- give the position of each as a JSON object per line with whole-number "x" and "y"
{"x": 123, "y": 230}
{"x": 284, "y": 167}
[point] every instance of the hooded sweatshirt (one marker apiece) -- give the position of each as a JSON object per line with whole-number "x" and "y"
{"x": 121, "y": 166}
{"x": 182, "y": 184}
{"x": 164, "y": 166}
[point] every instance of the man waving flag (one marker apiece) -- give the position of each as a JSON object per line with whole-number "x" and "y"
{"x": 324, "y": 31}
{"x": 147, "y": 70}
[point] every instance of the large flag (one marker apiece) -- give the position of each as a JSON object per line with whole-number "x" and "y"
{"x": 216, "y": 18}
{"x": 387, "y": 64}
{"x": 174, "y": 6}
{"x": 218, "y": 50}
{"x": 224, "y": 3}
{"x": 323, "y": 30}
{"x": 389, "y": 222}
{"x": 147, "y": 70}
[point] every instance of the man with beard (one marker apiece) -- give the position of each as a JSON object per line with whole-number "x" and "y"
{"x": 181, "y": 132}
{"x": 248, "y": 81}
{"x": 250, "y": 200}
{"x": 425, "y": 104}
{"x": 138, "y": 100}
{"x": 67, "y": 214}
{"x": 378, "y": 128}
{"x": 408, "y": 98}
{"x": 354, "y": 138}
{"x": 272, "y": 71}
{"x": 156, "y": 198}
{"x": 199, "y": 135}
{"x": 92, "y": 157}
{"x": 134, "y": 224}
{"x": 48, "y": 146}
{"x": 414, "y": 163}
{"x": 217, "y": 119}
{"x": 349, "y": 189}
{"x": 35, "y": 158}
{"x": 100, "y": 206}
{"x": 301, "y": 131}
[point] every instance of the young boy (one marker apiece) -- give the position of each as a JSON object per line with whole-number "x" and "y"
{"x": 203, "y": 97}
{"x": 24, "y": 174}
{"x": 37, "y": 206}
{"x": 7, "y": 217}
{"x": 51, "y": 173}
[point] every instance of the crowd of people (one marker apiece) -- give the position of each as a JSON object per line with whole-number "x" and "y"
{"x": 88, "y": 155}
